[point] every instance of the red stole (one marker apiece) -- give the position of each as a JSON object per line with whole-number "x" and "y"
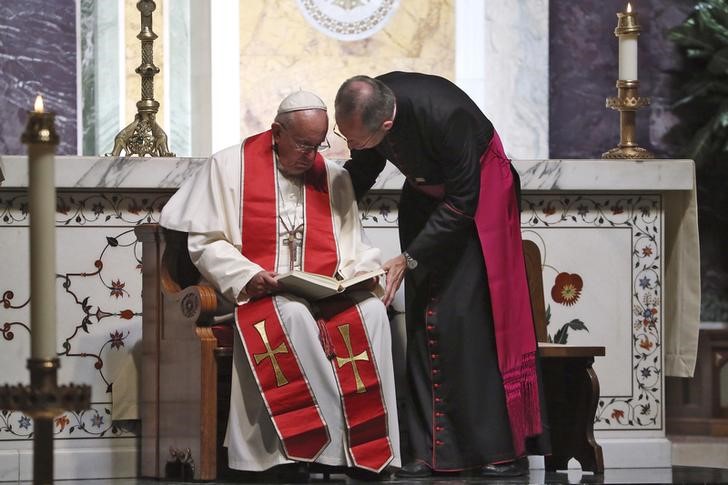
{"x": 499, "y": 229}
{"x": 290, "y": 402}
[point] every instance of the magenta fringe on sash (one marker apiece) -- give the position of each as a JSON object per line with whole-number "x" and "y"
{"x": 521, "y": 388}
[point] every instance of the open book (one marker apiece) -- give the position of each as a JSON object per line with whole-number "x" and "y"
{"x": 316, "y": 287}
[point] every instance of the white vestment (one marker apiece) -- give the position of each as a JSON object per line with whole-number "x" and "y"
{"x": 208, "y": 207}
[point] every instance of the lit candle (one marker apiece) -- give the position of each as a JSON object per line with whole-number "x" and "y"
{"x": 627, "y": 32}
{"x": 41, "y": 138}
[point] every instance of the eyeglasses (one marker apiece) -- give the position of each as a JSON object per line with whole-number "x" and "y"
{"x": 302, "y": 148}
{"x": 322, "y": 147}
{"x": 364, "y": 143}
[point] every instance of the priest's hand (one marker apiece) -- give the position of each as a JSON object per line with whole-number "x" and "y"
{"x": 262, "y": 284}
{"x": 395, "y": 269}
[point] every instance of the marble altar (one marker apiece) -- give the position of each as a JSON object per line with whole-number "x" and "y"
{"x": 616, "y": 238}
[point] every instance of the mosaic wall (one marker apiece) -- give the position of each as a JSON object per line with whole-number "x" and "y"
{"x": 282, "y": 52}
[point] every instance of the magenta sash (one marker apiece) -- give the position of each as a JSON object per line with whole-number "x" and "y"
{"x": 499, "y": 228}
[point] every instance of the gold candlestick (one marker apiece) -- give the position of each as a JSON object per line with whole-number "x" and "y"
{"x": 144, "y": 136}
{"x": 627, "y": 101}
{"x": 44, "y": 398}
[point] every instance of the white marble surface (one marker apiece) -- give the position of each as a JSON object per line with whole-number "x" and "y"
{"x": 502, "y": 47}
{"x": 106, "y": 172}
{"x": 517, "y": 75}
{"x": 536, "y": 175}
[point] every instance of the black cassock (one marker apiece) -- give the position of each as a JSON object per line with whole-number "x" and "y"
{"x": 455, "y": 414}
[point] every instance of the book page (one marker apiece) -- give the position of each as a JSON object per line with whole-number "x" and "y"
{"x": 362, "y": 277}
{"x": 309, "y": 285}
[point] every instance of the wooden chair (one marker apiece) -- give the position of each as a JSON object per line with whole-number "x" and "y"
{"x": 571, "y": 387}
{"x": 187, "y": 361}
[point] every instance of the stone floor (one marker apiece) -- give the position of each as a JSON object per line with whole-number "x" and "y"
{"x": 676, "y": 474}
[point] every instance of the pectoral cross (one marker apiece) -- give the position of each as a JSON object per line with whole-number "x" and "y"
{"x": 344, "y": 331}
{"x": 293, "y": 239}
{"x": 270, "y": 353}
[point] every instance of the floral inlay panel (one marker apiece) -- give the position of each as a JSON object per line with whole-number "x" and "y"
{"x": 641, "y": 216}
{"x": 99, "y": 304}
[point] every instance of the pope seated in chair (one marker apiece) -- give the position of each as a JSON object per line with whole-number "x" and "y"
{"x": 311, "y": 381}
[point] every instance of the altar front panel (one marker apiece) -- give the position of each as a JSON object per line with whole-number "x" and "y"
{"x": 602, "y": 244}
{"x": 602, "y": 270}
{"x": 98, "y": 298}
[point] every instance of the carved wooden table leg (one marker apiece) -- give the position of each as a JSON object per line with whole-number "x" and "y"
{"x": 571, "y": 388}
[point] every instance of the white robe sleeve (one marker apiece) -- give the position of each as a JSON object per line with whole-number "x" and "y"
{"x": 356, "y": 256}
{"x": 207, "y": 207}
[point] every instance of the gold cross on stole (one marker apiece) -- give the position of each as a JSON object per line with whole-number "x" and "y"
{"x": 344, "y": 331}
{"x": 271, "y": 354}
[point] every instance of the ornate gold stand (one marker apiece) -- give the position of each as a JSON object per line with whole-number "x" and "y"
{"x": 627, "y": 102}
{"x": 144, "y": 136}
{"x": 43, "y": 400}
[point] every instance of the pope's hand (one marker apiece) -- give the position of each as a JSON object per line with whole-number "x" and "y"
{"x": 262, "y": 284}
{"x": 395, "y": 269}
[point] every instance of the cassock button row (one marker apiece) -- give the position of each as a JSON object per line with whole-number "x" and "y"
{"x": 435, "y": 356}
{"x": 438, "y": 400}
{"x": 439, "y": 442}
{"x": 430, "y": 313}
{"x": 430, "y": 328}
{"x": 433, "y": 342}
{"x": 436, "y": 386}
{"x": 435, "y": 371}
{"x": 439, "y": 428}
{"x": 438, "y": 414}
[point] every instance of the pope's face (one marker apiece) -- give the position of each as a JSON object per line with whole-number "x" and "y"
{"x": 298, "y": 137}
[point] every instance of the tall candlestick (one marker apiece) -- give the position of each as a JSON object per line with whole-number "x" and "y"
{"x": 41, "y": 138}
{"x": 44, "y": 399}
{"x": 627, "y": 31}
{"x": 628, "y": 100}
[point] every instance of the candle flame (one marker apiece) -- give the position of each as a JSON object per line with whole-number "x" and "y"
{"x": 38, "y": 104}
{"x": 629, "y": 7}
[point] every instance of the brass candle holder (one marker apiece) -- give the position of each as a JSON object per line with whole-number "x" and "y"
{"x": 43, "y": 399}
{"x": 628, "y": 100}
{"x": 144, "y": 136}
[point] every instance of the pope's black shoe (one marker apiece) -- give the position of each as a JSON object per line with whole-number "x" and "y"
{"x": 515, "y": 468}
{"x": 414, "y": 469}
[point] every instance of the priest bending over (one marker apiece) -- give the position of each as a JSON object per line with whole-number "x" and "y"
{"x": 310, "y": 382}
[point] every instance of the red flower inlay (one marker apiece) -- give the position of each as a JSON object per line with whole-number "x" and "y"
{"x": 567, "y": 288}
{"x": 549, "y": 210}
{"x": 126, "y": 314}
{"x": 646, "y": 344}
{"x": 117, "y": 288}
{"x": 117, "y": 340}
{"x": 618, "y": 414}
{"x": 62, "y": 421}
{"x": 617, "y": 209}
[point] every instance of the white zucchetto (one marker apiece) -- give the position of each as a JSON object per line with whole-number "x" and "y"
{"x": 299, "y": 101}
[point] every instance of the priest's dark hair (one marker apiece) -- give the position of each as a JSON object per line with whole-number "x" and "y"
{"x": 366, "y": 97}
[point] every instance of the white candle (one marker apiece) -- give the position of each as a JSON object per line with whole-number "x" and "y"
{"x": 41, "y": 141}
{"x": 628, "y": 53}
